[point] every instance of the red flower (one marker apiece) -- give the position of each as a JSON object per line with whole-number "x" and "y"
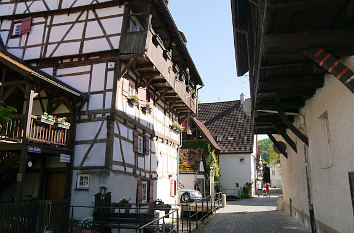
{"x": 55, "y": 117}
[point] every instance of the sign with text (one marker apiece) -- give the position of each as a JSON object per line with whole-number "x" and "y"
{"x": 34, "y": 149}
{"x": 64, "y": 158}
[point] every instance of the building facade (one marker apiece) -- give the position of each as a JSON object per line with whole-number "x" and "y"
{"x": 231, "y": 126}
{"x": 131, "y": 61}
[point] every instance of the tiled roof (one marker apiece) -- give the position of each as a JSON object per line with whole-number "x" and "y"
{"x": 206, "y": 133}
{"x": 228, "y": 120}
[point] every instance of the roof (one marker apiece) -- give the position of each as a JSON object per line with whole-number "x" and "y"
{"x": 206, "y": 133}
{"x": 273, "y": 40}
{"x": 228, "y": 120}
{"x": 17, "y": 64}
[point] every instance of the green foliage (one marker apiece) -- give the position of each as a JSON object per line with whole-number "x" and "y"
{"x": 134, "y": 98}
{"x": 123, "y": 202}
{"x": 247, "y": 190}
{"x": 148, "y": 107}
{"x": 273, "y": 157}
{"x": 87, "y": 223}
{"x": 266, "y": 145}
{"x": 210, "y": 160}
{"x": 5, "y": 113}
{"x": 179, "y": 127}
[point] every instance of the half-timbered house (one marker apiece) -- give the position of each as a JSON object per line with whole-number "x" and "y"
{"x": 131, "y": 61}
{"x": 299, "y": 57}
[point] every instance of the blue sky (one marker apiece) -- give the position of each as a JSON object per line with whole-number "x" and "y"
{"x": 208, "y": 28}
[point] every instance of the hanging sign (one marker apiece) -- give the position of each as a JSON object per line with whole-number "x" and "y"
{"x": 34, "y": 149}
{"x": 64, "y": 158}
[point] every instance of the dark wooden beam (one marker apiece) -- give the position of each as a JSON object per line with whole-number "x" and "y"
{"x": 307, "y": 5}
{"x": 145, "y": 68}
{"x": 309, "y": 40}
{"x": 291, "y": 83}
{"x": 276, "y": 143}
{"x": 282, "y": 132}
{"x": 290, "y": 104}
{"x": 285, "y": 94}
{"x": 158, "y": 80}
{"x": 297, "y": 132}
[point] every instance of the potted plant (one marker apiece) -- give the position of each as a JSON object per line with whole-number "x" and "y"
{"x": 48, "y": 119}
{"x": 124, "y": 203}
{"x": 146, "y": 108}
{"x": 62, "y": 123}
{"x": 133, "y": 99}
{"x": 177, "y": 127}
{"x": 87, "y": 225}
{"x": 164, "y": 228}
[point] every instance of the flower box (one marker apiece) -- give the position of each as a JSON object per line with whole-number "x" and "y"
{"x": 146, "y": 108}
{"x": 176, "y": 127}
{"x": 133, "y": 100}
{"x": 47, "y": 121}
{"x": 63, "y": 125}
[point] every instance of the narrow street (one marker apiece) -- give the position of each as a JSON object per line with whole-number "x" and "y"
{"x": 252, "y": 216}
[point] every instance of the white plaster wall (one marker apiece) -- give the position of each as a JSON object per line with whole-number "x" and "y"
{"x": 233, "y": 171}
{"x": 329, "y": 185}
{"x": 275, "y": 179}
{"x": 187, "y": 180}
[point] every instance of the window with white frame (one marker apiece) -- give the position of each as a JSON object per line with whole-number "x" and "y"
{"x": 144, "y": 192}
{"x": 131, "y": 88}
{"x": 218, "y": 138}
{"x": 16, "y": 31}
{"x": 140, "y": 145}
{"x": 83, "y": 181}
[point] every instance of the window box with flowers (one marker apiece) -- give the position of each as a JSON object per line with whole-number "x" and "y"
{"x": 87, "y": 225}
{"x": 123, "y": 204}
{"x": 176, "y": 127}
{"x": 133, "y": 100}
{"x": 48, "y": 119}
{"x": 146, "y": 108}
{"x": 62, "y": 123}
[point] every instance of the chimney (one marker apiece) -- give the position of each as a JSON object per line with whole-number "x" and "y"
{"x": 242, "y": 98}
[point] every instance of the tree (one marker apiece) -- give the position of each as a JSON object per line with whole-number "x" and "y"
{"x": 265, "y": 145}
{"x": 273, "y": 156}
{"x": 5, "y": 113}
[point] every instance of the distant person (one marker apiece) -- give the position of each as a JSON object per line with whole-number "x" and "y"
{"x": 267, "y": 189}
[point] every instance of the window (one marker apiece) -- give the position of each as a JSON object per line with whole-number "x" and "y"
{"x": 242, "y": 159}
{"x": 131, "y": 88}
{"x": 218, "y": 138}
{"x": 16, "y": 31}
{"x": 273, "y": 173}
{"x": 83, "y": 181}
{"x": 140, "y": 145}
{"x": 144, "y": 192}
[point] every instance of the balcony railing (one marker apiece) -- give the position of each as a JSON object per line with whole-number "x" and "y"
{"x": 38, "y": 132}
{"x": 148, "y": 44}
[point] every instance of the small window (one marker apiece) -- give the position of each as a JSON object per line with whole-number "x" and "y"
{"x": 16, "y": 31}
{"x": 242, "y": 159}
{"x": 140, "y": 145}
{"x": 273, "y": 173}
{"x": 144, "y": 192}
{"x": 131, "y": 88}
{"x": 83, "y": 181}
{"x": 218, "y": 138}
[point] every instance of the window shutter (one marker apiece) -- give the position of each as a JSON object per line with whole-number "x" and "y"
{"x": 151, "y": 197}
{"x": 142, "y": 94}
{"x": 125, "y": 85}
{"x": 147, "y": 145}
{"x": 175, "y": 187}
{"x": 135, "y": 141}
{"x": 151, "y": 99}
{"x": 185, "y": 124}
{"x": 26, "y": 25}
{"x": 140, "y": 192}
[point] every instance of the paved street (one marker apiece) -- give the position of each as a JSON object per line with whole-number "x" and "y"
{"x": 253, "y": 215}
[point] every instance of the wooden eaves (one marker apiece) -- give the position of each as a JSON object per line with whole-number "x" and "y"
{"x": 279, "y": 38}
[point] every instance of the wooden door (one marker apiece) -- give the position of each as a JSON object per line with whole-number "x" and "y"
{"x": 55, "y": 187}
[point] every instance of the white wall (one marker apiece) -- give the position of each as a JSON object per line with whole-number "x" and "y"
{"x": 328, "y": 165}
{"x": 275, "y": 179}
{"x": 232, "y": 170}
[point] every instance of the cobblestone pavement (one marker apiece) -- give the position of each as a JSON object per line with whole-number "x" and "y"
{"x": 252, "y": 216}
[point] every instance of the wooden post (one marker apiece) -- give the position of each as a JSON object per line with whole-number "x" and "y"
{"x": 297, "y": 132}
{"x": 212, "y": 189}
{"x": 23, "y": 157}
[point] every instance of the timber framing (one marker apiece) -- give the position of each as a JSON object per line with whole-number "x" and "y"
{"x": 287, "y": 47}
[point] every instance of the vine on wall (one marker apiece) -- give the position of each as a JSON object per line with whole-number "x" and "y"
{"x": 209, "y": 160}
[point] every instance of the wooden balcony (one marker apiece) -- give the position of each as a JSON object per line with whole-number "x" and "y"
{"x": 39, "y": 132}
{"x": 149, "y": 52}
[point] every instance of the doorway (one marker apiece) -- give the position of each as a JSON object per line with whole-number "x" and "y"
{"x": 55, "y": 186}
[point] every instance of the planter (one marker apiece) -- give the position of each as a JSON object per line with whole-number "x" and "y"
{"x": 64, "y": 126}
{"x": 88, "y": 231}
{"x": 146, "y": 109}
{"x": 47, "y": 121}
{"x": 133, "y": 102}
